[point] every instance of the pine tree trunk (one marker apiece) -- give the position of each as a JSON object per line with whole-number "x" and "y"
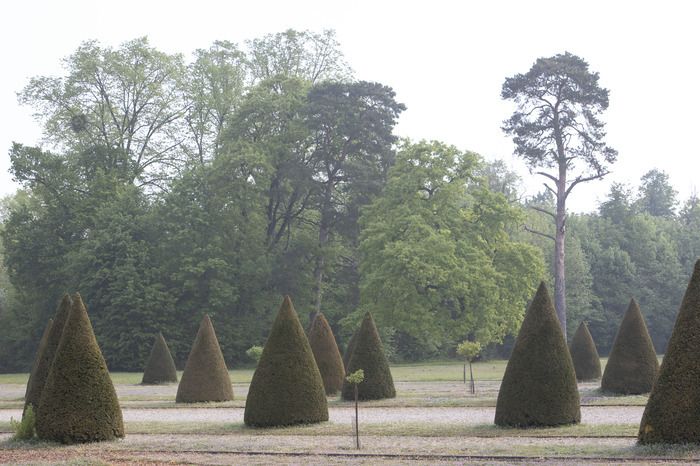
{"x": 560, "y": 252}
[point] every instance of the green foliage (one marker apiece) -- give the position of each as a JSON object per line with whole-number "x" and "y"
{"x": 584, "y": 354}
{"x": 438, "y": 261}
{"x": 326, "y": 354}
{"x": 356, "y": 377}
{"x": 101, "y": 82}
{"x": 206, "y": 376}
{"x": 632, "y": 365}
{"x": 33, "y": 374}
{"x": 368, "y": 355}
{"x": 287, "y": 387}
{"x": 539, "y": 385}
{"x": 350, "y": 348}
{"x": 254, "y": 353}
{"x": 557, "y": 129}
{"x": 279, "y": 175}
{"x": 26, "y": 428}
{"x": 469, "y": 350}
{"x": 671, "y": 414}
{"x": 44, "y": 360}
{"x": 78, "y": 403}
{"x": 160, "y": 367}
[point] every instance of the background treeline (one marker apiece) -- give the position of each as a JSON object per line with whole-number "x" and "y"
{"x": 167, "y": 188}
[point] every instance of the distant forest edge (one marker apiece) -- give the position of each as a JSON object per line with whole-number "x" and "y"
{"x": 168, "y": 188}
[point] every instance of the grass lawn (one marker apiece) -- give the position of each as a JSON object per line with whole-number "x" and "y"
{"x": 438, "y": 371}
{"x": 173, "y": 436}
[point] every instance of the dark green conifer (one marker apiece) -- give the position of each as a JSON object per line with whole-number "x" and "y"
{"x": 205, "y": 377}
{"x": 672, "y": 414}
{"x": 584, "y": 354}
{"x": 326, "y": 354}
{"x": 350, "y": 348}
{"x": 287, "y": 387}
{"x": 39, "y": 354}
{"x": 632, "y": 365}
{"x": 368, "y": 355}
{"x": 160, "y": 367}
{"x": 79, "y": 403}
{"x": 43, "y": 364}
{"x": 539, "y": 385}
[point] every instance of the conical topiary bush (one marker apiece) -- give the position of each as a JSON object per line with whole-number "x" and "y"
{"x": 326, "y": 354}
{"x": 584, "y": 354}
{"x": 39, "y": 354}
{"x": 205, "y": 377}
{"x": 287, "y": 387}
{"x": 43, "y": 364}
{"x": 368, "y": 355}
{"x": 78, "y": 403}
{"x": 672, "y": 414}
{"x": 632, "y": 365}
{"x": 539, "y": 385}
{"x": 350, "y": 348}
{"x": 160, "y": 367}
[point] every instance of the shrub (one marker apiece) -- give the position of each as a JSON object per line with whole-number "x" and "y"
{"x": 26, "y": 428}
{"x": 287, "y": 387}
{"x": 78, "y": 403}
{"x": 254, "y": 353}
{"x": 32, "y": 375}
{"x": 368, "y": 355}
{"x": 632, "y": 365}
{"x": 160, "y": 367}
{"x": 205, "y": 377}
{"x": 326, "y": 354}
{"x": 671, "y": 414}
{"x": 40, "y": 369}
{"x": 539, "y": 385}
{"x": 350, "y": 348}
{"x": 584, "y": 354}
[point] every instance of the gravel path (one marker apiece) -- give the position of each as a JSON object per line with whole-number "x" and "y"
{"x": 589, "y": 415}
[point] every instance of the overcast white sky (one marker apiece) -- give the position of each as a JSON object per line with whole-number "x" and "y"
{"x": 446, "y": 61}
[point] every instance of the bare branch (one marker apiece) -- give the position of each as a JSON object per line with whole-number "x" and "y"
{"x": 583, "y": 179}
{"x": 550, "y": 189}
{"x": 544, "y": 211}
{"x": 547, "y": 175}
{"x": 535, "y": 232}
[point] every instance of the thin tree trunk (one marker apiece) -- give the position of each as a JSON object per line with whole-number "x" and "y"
{"x": 559, "y": 250}
{"x": 323, "y": 235}
{"x": 357, "y": 422}
{"x": 471, "y": 378}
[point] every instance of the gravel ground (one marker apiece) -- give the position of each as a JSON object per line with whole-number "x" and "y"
{"x": 370, "y": 415}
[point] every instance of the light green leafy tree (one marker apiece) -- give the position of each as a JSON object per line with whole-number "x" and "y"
{"x": 437, "y": 260}
{"x": 469, "y": 350}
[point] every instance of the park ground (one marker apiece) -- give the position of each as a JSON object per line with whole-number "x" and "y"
{"x": 433, "y": 420}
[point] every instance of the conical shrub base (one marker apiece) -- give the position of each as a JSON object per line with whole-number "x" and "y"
{"x": 205, "y": 377}
{"x": 672, "y": 414}
{"x": 368, "y": 355}
{"x": 39, "y": 355}
{"x": 43, "y": 364}
{"x": 585, "y": 355}
{"x": 632, "y": 365}
{"x": 326, "y": 354}
{"x": 79, "y": 403}
{"x": 539, "y": 386}
{"x": 287, "y": 387}
{"x": 160, "y": 368}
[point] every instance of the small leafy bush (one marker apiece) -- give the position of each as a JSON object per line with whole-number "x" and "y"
{"x": 26, "y": 428}
{"x": 254, "y": 352}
